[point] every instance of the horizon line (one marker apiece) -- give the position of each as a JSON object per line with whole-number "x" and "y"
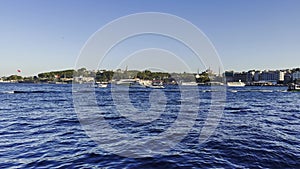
{"x": 19, "y": 71}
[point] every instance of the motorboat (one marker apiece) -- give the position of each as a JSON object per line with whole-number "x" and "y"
{"x": 102, "y": 85}
{"x": 294, "y": 87}
{"x": 136, "y": 84}
{"x": 189, "y": 84}
{"x": 156, "y": 84}
{"x": 125, "y": 82}
{"x": 236, "y": 84}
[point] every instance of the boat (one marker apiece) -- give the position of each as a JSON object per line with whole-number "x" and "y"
{"x": 236, "y": 84}
{"x": 102, "y": 85}
{"x": 125, "y": 82}
{"x": 136, "y": 84}
{"x": 61, "y": 83}
{"x": 156, "y": 84}
{"x": 213, "y": 84}
{"x": 155, "y": 87}
{"x": 189, "y": 84}
{"x": 294, "y": 87}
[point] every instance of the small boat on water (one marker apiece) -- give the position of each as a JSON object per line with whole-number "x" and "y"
{"x": 213, "y": 84}
{"x": 125, "y": 82}
{"x": 102, "y": 85}
{"x": 156, "y": 84}
{"x": 236, "y": 84}
{"x": 137, "y": 84}
{"x": 155, "y": 87}
{"x": 189, "y": 84}
{"x": 294, "y": 87}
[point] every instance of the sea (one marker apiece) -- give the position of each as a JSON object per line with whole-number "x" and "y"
{"x": 40, "y": 127}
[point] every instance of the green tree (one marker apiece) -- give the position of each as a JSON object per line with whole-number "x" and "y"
{"x": 14, "y": 77}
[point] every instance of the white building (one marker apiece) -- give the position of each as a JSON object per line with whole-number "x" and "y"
{"x": 281, "y": 76}
{"x": 272, "y": 76}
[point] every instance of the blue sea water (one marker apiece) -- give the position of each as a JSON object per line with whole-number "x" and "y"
{"x": 39, "y": 128}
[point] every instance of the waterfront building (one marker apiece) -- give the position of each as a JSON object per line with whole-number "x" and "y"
{"x": 281, "y": 75}
{"x": 288, "y": 78}
{"x": 246, "y": 77}
{"x": 250, "y": 76}
{"x": 243, "y": 76}
{"x": 296, "y": 75}
{"x": 256, "y": 76}
{"x": 272, "y": 76}
{"x": 229, "y": 76}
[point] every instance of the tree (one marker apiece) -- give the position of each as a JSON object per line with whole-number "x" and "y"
{"x": 104, "y": 76}
{"x": 203, "y": 78}
{"x": 14, "y": 78}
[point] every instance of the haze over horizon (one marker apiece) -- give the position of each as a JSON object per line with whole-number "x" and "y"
{"x": 40, "y": 36}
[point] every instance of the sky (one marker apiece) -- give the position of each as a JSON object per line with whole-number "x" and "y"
{"x": 38, "y": 36}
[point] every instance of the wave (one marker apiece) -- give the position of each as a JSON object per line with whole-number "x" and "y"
{"x": 6, "y": 92}
{"x": 259, "y": 90}
{"x": 266, "y": 91}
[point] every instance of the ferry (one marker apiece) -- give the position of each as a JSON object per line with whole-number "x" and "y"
{"x": 236, "y": 84}
{"x": 294, "y": 87}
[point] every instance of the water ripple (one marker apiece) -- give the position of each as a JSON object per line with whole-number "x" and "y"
{"x": 260, "y": 128}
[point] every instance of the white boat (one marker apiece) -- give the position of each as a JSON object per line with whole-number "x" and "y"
{"x": 137, "y": 84}
{"x": 102, "y": 85}
{"x": 294, "y": 87}
{"x": 214, "y": 83}
{"x": 189, "y": 84}
{"x": 61, "y": 83}
{"x": 126, "y": 82}
{"x": 236, "y": 84}
{"x": 156, "y": 85}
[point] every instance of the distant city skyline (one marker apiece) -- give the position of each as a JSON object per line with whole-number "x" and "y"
{"x": 40, "y": 36}
{"x": 126, "y": 68}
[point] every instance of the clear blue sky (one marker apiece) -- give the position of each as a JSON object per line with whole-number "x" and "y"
{"x": 44, "y": 35}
